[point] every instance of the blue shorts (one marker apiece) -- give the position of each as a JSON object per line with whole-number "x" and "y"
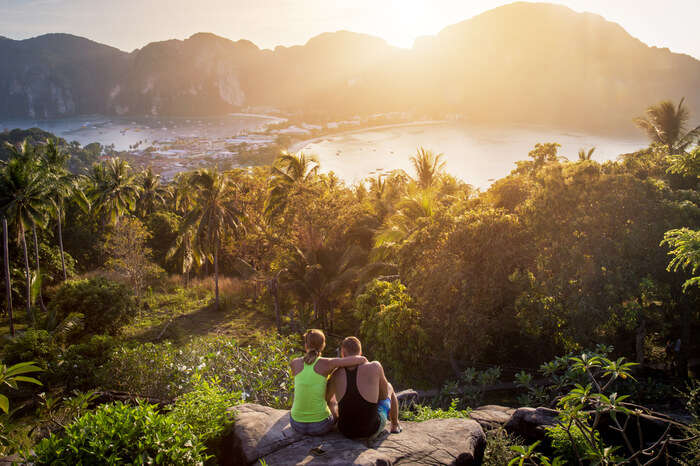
{"x": 384, "y": 406}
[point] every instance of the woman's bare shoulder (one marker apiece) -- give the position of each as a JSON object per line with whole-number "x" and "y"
{"x": 297, "y": 365}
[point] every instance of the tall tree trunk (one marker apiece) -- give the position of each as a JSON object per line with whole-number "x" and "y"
{"x": 60, "y": 245}
{"x": 38, "y": 267}
{"x": 8, "y": 285}
{"x": 216, "y": 269}
{"x": 26, "y": 274}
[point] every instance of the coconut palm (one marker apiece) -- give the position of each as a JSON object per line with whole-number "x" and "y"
{"x": 214, "y": 214}
{"x": 292, "y": 174}
{"x": 28, "y": 155}
{"x": 8, "y": 284}
{"x": 153, "y": 193}
{"x": 320, "y": 274}
{"x": 184, "y": 249}
{"x": 181, "y": 199}
{"x": 61, "y": 185}
{"x": 409, "y": 210}
{"x": 583, "y": 155}
{"x": 666, "y": 123}
{"x": 428, "y": 166}
{"x": 22, "y": 202}
{"x": 181, "y": 194}
{"x": 385, "y": 191}
{"x": 113, "y": 189}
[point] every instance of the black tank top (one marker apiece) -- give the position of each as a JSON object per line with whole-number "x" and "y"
{"x": 357, "y": 416}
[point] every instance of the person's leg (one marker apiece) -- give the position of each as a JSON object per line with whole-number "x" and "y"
{"x": 394, "y": 411}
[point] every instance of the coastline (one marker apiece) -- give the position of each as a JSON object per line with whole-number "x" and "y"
{"x": 297, "y": 146}
{"x": 262, "y": 116}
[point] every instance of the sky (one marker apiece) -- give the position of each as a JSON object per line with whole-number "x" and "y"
{"x": 130, "y": 24}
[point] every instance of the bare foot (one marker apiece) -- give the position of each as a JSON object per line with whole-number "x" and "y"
{"x": 396, "y": 428}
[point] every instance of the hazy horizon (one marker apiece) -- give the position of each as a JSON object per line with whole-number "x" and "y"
{"x": 131, "y": 24}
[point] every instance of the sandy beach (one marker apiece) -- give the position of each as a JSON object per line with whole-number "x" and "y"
{"x": 297, "y": 146}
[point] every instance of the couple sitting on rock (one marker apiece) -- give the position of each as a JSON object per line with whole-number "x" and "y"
{"x": 357, "y": 394}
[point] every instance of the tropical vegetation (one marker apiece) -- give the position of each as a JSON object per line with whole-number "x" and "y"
{"x": 191, "y": 293}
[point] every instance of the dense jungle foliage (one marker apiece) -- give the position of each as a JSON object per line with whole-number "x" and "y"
{"x": 120, "y": 282}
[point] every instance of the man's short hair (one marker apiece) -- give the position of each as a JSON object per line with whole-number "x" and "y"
{"x": 352, "y": 346}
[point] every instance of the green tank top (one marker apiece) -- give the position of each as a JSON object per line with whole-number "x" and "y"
{"x": 310, "y": 395}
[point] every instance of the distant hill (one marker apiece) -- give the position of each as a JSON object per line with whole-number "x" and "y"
{"x": 525, "y": 62}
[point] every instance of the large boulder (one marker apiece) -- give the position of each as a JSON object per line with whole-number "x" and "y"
{"x": 492, "y": 416}
{"x": 530, "y": 423}
{"x": 407, "y": 398}
{"x": 261, "y": 432}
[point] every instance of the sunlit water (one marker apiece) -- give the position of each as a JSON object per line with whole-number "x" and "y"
{"x": 477, "y": 155}
{"x": 124, "y": 132}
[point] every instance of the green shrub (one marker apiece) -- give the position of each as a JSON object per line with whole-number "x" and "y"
{"x": 423, "y": 413}
{"x": 51, "y": 268}
{"x": 260, "y": 373}
{"x": 106, "y": 305}
{"x": 562, "y": 444}
{"x": 31, "y": 345}
{"x": 391, "y": 330}
{"x": 204, "y": 409}
{"x": 692, "y": 398}
{"x": 117, "y": 433}
{"x": 80, "y": 364}
{"x": 498, "y": 447}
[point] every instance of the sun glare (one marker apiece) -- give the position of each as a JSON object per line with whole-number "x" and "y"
{"x": 409, "y": 19}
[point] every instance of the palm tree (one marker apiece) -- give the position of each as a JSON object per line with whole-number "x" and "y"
{"x": 181, "y": 197}
{"x": 61, "y": 185}
{"x": 113, "y": 189}
{"x": 184, "y": 249}
{"x": 8, "y": 285}
{"x": 214, "y": 214}
{"x": 583, "y": 155}
{"x": 385, "y": 191}
{"x": 428, "y": 166}
{"x": 33, "y": 160}
{"x": 404, "y": 222}
{"x": 291, "y": 175}
{"x": 665, "y": 123}
{"x": 22, "y": 200}
{"x": 153, "y": 193}
{"x": 181, "y": 194}
{"x": 320, "y": 274}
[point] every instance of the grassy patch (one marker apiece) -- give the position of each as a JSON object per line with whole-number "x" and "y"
{"x": 178, "y": 314}
{"x": 423, "y": 413}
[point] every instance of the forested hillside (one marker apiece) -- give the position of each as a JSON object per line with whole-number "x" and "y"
{"x": 530, "y": 63}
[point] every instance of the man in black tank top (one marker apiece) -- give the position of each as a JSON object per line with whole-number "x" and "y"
{"x": 365, "y": 399}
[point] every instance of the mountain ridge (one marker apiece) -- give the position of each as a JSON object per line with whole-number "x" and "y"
{"x": 522, "y": 62}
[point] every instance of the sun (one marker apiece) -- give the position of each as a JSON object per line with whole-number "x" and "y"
{"x": 407, "y": 19}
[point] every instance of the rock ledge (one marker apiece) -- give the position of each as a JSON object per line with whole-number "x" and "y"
{"x": 264, "y": 433}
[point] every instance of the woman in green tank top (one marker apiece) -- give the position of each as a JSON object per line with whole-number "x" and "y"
{"x": 310, "y": 413}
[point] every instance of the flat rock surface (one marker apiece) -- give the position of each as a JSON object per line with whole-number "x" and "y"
{"x": 492, "y": 416}
{"x": 262, "y": 432}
